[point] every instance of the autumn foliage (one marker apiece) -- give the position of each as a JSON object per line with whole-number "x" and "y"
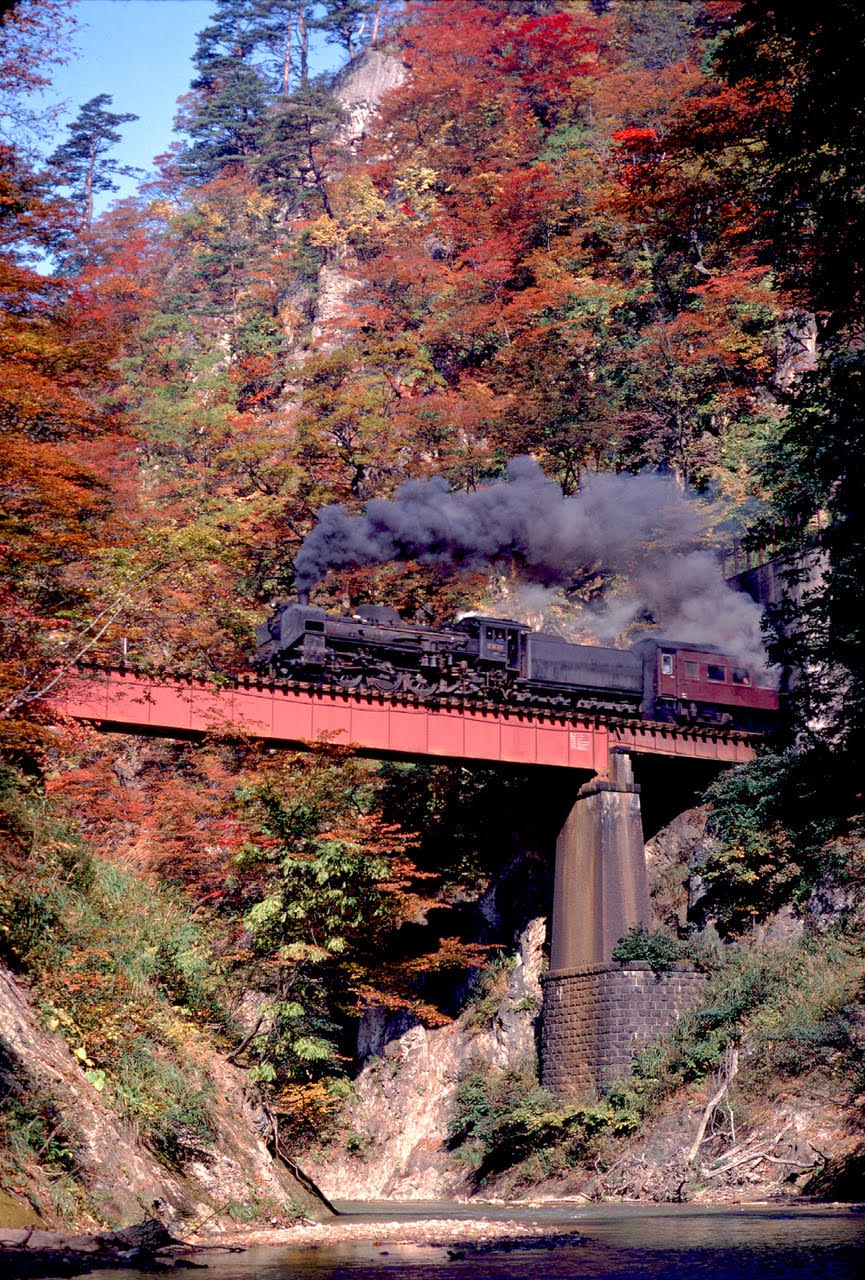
{"x": 562, "y": 233}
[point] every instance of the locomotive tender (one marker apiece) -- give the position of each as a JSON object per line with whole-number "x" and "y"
{"x": 481, "y": 660}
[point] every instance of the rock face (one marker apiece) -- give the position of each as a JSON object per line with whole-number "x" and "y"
{"x": 396, "y": 1127}
{"x": 336, "y": 289}
{"x": 360, "y": 87}
{"x": 671, "y": 857}
{"x": 123, "y": 1179}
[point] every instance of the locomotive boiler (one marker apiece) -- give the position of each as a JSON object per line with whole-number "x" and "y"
{"x": 487, "y": 660}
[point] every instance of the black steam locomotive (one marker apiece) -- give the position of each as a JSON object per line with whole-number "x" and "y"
{"x": 482, "y": 660}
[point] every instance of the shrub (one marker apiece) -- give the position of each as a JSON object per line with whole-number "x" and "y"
{"x": 505, "y": 1118}
{"x": 121, "y": 967}
{"x": 774, "y": 821}
{"x": 658, "y": 949}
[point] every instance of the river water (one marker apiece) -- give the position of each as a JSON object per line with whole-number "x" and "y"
{"x": 673, "y": 1242}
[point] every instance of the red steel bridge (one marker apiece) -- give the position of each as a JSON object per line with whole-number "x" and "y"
{"x": 176, "y": 706}
{"x": 601, "y": 887}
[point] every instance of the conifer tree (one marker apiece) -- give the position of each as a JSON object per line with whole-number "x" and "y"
{"x": 349, "y": 23}
{"x": 226, "y": 113}
{"x": 284, "y": 27}
{"x": 293, "y": 160}
{"x": 83, "y": 160}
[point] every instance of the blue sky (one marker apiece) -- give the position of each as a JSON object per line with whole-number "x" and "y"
{"x": 140, "y": 52}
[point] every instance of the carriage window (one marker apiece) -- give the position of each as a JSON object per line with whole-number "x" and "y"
{"x": 741, "y": 676}
{"x": 666, "y": 664}
{"x": 716, "y": 673}
{"x": 692, "y": 670}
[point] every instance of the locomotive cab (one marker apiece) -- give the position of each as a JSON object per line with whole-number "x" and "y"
{"x": 501, "y": 642}
{"x": 293, "y": 629}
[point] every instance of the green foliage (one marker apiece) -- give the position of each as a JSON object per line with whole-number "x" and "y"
{"x": 360, "y": 1145}
{"x": 291, "y": 162}
{"x": 82, "y": 162}
{"x": 505, "y": 1118}
{"x": 794, "y": 1010}
{"x": 122, "y": 967}
{"x": 325, "y": 882}
{"x": 801, "y": 185}
{"x": 226, "y": 114}
{"x": 167, "y": 1103}
{"x": 657, "y": 948}
{"x": 487, "y": 996}
{"x": 35, "y": 1150}
{"x": 774, "y": 820}
{"x": 813, "y": 468}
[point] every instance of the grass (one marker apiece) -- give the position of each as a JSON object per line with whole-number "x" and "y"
{"x": 121, "y": 966}
{"x": 489, "y": 991}
{"x": 794, "y": 1011}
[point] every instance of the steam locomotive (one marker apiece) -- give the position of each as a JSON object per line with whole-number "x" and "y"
{"x": 484, "y": 660}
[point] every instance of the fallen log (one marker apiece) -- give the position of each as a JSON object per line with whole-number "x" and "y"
{"x": 27, "y": 1253}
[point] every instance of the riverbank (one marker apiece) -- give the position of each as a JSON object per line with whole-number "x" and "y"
{"x": 30, "y": 1253}
{"x": 438, "y": 1232}
{"x": 442, "y": 1237}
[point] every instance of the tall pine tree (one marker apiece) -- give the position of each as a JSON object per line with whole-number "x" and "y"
{"x": 83, "y": 162}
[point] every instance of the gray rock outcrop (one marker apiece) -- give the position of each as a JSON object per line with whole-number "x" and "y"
{"x": 396, "y": 1126}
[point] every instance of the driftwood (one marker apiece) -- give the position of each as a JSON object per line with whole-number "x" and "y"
{"x": 29, "y": 1253}
{"x": 713, "y": 1102}
{"x": 741, "y": 1155}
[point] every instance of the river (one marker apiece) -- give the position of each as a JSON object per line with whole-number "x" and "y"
{"x": 673, "y": 1242}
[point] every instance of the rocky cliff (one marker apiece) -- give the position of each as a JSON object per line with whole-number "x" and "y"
{"x": 395, "y": 1128}
{"x": 115, "y": 1178}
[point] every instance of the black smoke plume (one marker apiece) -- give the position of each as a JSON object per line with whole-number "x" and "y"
{"x": 639, "y": 528}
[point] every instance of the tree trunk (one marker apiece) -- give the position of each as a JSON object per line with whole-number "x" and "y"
{"x": 303, "y": 33}
{"x": 286, "y": 60}
{"x": 88, "y": 187}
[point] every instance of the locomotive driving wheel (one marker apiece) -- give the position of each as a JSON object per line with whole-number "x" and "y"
{"x": 416, "y": 682}
{"x": 386, "y": 679}
{"x": 348, "y": 679}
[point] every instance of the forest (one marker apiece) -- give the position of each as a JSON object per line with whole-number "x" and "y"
{"x": 620, "y": 238}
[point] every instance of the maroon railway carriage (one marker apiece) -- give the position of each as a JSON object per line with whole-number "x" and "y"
{"x": 700, "y": 684}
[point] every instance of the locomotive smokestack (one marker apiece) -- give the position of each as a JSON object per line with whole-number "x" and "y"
{"x": 303, "y": 595}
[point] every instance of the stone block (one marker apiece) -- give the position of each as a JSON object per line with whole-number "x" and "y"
{"x": 594, "y": 1018}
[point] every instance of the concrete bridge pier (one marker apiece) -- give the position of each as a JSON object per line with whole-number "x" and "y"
{"x": 601, "y": 888}
{"x": 596, "y": 1011}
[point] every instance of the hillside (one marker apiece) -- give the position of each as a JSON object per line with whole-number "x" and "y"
{"x": 620, "y": 240}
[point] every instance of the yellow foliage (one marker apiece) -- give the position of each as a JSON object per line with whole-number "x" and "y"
{"x": 259, "y": 204}
{"x": 325, "y": 232}
{"x": 415, "y": 184}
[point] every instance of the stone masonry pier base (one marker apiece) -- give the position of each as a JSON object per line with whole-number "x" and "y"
{"x": 596, "y": 1017}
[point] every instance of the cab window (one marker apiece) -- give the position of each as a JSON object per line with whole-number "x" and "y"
{"x": 692, "y": 670}
{"x": 741, "y": 676}
{"x": 716, "y": 673}
{"x": 666, "y": 664}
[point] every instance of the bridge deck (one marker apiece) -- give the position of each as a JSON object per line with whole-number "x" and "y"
{"x": 173, "y": 706}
